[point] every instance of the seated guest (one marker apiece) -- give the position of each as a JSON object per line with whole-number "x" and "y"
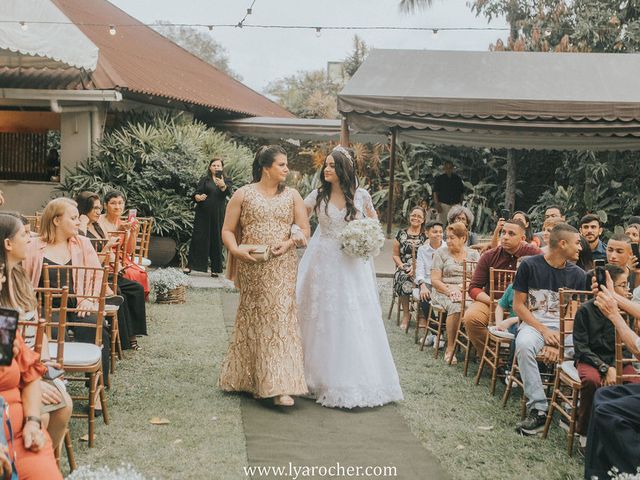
{"x": 552, "y": 212}
{"x": 594, "y": 341}
{"x": 536, "y": 303}
{"x": 19, "y": 295}
{"x": 585, "y": 259}
{"x": 528, "y": 235}
{"x": 619, "y": 253}
{"x": 110, "y": 221}
{"x": 459, "y": 213}
{"x": 591, "y": 229}
{"x": 505, "y": 256}
{"x": 543, "y": 239}
{"x": 406, "y": 242}
{"x": 612, "y": 439}
{"x": 633, "y": 232}
{"x": 60, "y": 244}
{"x": 424, "y": 261}
{"x": 20, "y": 389}
{"x": 132, "y": 316}
{"x": 447, "y": 279}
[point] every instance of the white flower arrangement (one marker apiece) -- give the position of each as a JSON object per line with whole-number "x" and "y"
{"x": 615, "y": 474}
{"x": 165, "y": 279}
{"x": 124, "y": 472}
{"x": 362, "y": 238}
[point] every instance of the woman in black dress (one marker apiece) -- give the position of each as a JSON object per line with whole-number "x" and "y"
{"x": 211, "y": 199}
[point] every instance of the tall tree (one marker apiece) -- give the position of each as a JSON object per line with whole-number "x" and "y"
{"x": 313, "y": 94}
{"x": 199, "y": 43}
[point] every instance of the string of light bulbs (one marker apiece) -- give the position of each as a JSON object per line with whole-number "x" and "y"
{"x": 112, "y": 28}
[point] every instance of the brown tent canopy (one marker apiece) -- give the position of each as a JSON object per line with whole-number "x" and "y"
{"x": 514, "y": 100}
{"x": 498, "y": 99}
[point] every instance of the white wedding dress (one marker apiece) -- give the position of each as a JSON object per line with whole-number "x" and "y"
{"x": 347, "y": 360}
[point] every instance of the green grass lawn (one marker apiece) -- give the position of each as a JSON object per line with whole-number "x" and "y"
{"x": 174, "y": 377}
{"x": 450, "y": 416}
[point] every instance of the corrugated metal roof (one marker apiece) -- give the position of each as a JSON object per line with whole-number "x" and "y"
{"x": 45, "y": 78}
{"x": 140, "y": 60}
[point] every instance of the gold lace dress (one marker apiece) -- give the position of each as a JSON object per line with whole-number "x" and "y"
{"x": 265, "y": 353}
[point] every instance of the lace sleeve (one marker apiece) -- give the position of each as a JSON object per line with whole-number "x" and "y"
{"x": 367, "y": 204}
{"x": 310, "y": 200}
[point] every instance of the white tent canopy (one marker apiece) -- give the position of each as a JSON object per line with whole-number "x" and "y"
{"x": 42, "y": 45}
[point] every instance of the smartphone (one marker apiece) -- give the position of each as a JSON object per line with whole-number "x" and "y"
{"x": 635, "y": 248}
{"x": 506, "y": 214}
{"x": 53, "y": 373}
{"x": 219, "y": 174}
{"x": 8, "y": 326}
{"x": 600, "y": 272}
{"x": 133, "y": 213}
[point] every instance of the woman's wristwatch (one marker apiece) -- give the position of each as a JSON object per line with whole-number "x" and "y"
{"x": 31, "y": 418}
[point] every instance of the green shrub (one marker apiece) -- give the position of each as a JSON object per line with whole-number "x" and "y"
{"x": 157, "y": 166}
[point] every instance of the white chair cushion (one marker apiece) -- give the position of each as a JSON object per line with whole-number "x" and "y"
{"x": 570, "y": 369}
{"x": 111, "y": 308}
{"x": 416, "y": 293}
{"x": 501, "y": 333}
{"x": 145, "y": 261}
{"x": 77, "y": 353}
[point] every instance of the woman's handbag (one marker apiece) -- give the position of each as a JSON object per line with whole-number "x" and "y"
{"x": 261, "y": 253}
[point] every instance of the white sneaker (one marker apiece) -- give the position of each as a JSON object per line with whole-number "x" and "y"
{"x": 431, "y": 338}
{"x": 442, "y": 343}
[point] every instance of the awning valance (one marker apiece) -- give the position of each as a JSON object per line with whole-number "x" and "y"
{"x": 498, "y": 99}
{"x": 40, "y": 45}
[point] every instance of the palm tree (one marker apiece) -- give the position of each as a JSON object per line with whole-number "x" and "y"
{"x": 412, "y": 6}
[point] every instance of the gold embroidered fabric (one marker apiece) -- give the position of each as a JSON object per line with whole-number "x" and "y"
{"x": 265, "y": 352}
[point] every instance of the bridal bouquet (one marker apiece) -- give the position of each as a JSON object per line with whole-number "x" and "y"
{"x": 362, "y": 238}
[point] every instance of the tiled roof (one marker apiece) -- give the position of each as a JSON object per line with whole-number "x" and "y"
{"x": 141, "y": 61}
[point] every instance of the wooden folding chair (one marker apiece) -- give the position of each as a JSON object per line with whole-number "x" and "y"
{"x": 113, "y": 259}
{"x": 497, "y": 344}
{"x": 621, "y": 361}
{"x": 435, "y": 327}
{"x": 34, "y": 222}
{"x": 140, "y": 255}
{"x": 462, "y": 339}
{"x": 566, "y": 384}
{"x": 46, "y": 310}
{"x": 81, "y": 358}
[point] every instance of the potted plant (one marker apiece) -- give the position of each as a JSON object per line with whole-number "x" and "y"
{"x": 169, "y": 285}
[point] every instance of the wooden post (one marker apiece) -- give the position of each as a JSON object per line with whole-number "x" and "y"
{"x": 392, "y": 183}
{"x": 344, "y": 132}
{"x": 510, "y": 187}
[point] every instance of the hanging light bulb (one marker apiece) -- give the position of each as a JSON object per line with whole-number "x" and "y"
{"x": 210, "y": 27}
{"x": 435, "y": 33}
{"x": 23, "y": 26}
{"x": 249, "y": 11}
{"x": 112, "y": 30}
{"x": 318, "y": 32}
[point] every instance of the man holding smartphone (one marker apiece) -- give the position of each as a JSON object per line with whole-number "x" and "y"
{"x": 619, "y": 253}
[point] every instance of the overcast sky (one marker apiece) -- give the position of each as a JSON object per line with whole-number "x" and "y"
{"x": 261, "y": 56}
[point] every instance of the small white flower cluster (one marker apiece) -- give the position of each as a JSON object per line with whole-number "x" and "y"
{"x": 362, "y": 238}
{"x": 165, "y": 279}
{"x": 124, "y": 472}
{"x": 615, "y": 474}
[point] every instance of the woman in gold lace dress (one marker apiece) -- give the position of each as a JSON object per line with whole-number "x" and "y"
{"x": 265, "y": 352}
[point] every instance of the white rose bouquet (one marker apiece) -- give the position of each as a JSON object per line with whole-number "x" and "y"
{"x": 362, "y": 238}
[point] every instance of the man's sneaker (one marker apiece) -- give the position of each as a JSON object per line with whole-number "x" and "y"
{"x": 534, "y": 422}
{"x": 431, "y": 338}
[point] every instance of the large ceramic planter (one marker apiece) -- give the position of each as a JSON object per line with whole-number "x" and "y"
{"x": 161, "y": 250}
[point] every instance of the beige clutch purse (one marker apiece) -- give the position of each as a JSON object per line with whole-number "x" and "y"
{"x": 261, "y": 253}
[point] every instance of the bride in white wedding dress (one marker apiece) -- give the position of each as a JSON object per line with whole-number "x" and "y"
{"x": 347, "y": 360}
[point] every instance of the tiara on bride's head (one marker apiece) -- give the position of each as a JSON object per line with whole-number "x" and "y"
{"x": 344, "y": 151}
